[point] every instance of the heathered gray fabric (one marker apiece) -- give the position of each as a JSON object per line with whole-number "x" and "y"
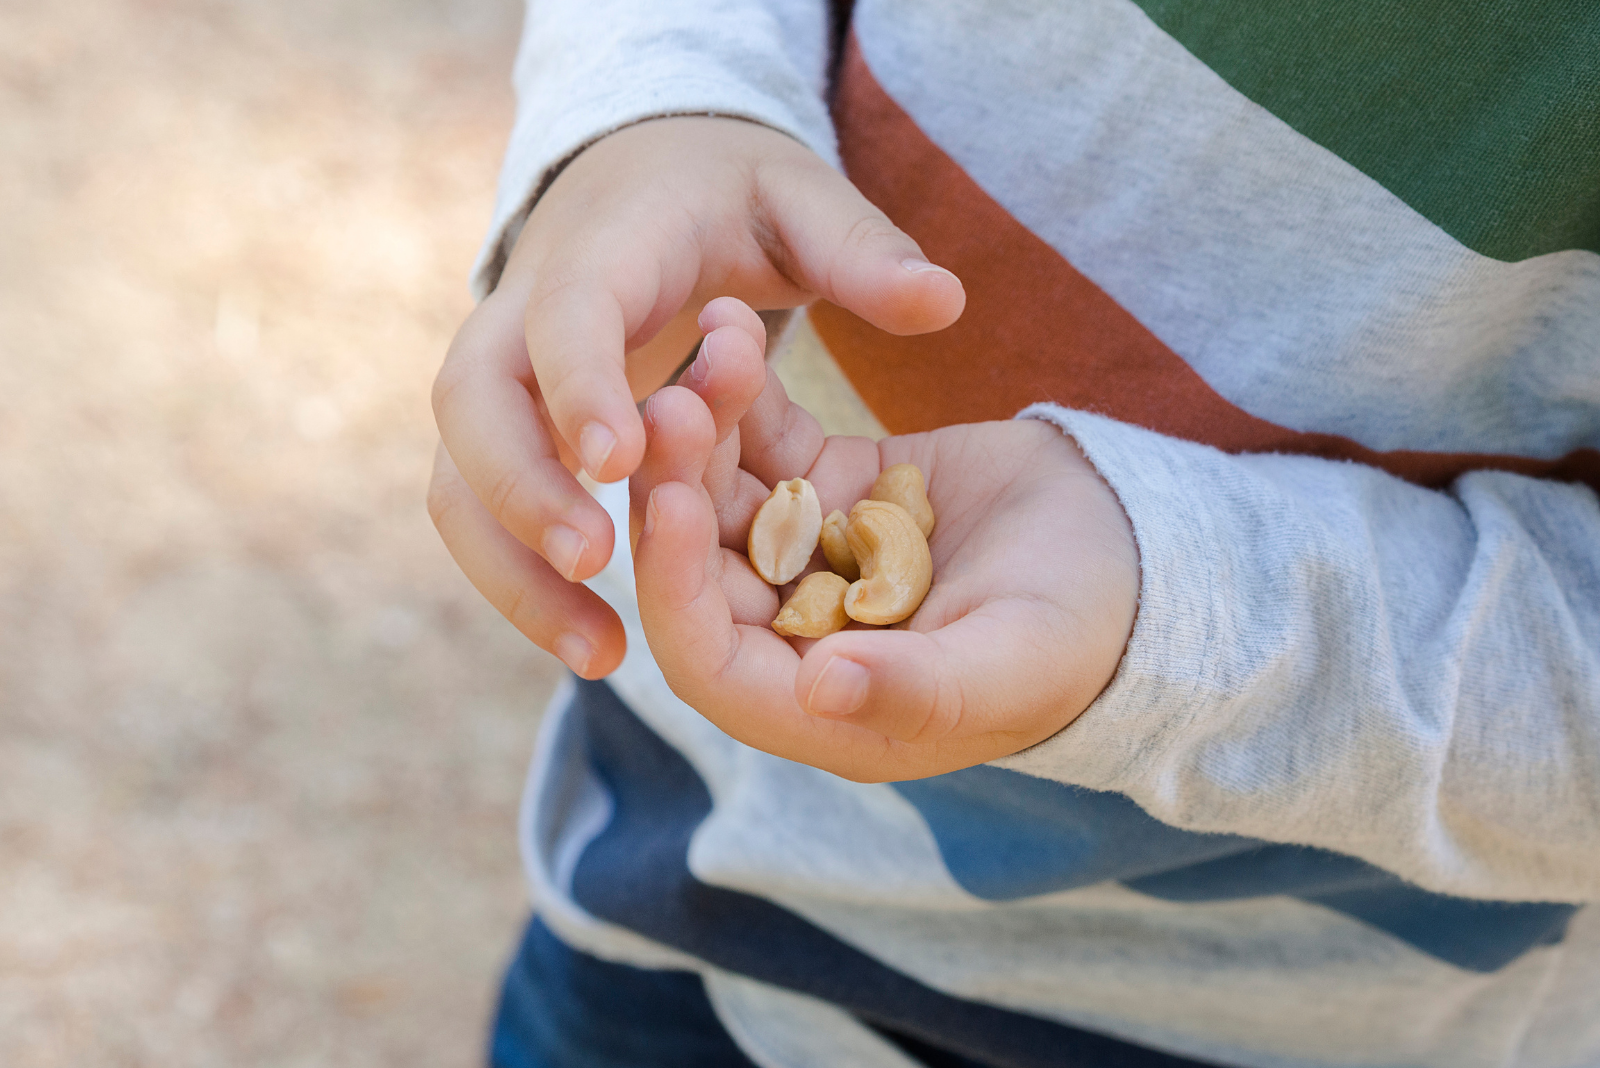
{"x": 585, "y": 69}
{"x": 1275, "y": 982}
{"x": 1323, "y": 655}
{"x": 1298, "y": 288}
{"x": 1326, "y": 655}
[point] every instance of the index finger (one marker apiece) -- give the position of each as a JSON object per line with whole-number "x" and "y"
{"x": 491, "y": 424}
{"x": 576, "y": 335}
{"x": 600, "y": 284}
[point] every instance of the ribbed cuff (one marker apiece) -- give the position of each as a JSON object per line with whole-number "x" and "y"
{"x": 543, "y": 143}
{"x": 1170, "y": 660}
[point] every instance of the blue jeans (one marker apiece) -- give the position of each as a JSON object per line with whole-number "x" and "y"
{"x": 564, "y": 1009}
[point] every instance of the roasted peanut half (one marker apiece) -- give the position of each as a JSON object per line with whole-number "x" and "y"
{"x": 836, "y": 547}
{"x": 904, "y": 485}
{"x": 784, "y": 533}
{"x": 896, "y": 567}
{"x": 816, "y": 609}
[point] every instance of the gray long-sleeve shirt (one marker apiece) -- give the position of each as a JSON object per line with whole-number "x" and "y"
{"x": 1341, "y": 803}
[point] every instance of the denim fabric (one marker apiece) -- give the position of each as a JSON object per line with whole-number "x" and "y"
{"x": 564, "y": 1009}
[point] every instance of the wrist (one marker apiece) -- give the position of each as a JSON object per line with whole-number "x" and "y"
{"x": 1103, "y": 532}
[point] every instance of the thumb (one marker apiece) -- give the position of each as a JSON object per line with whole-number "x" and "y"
{"x": 980, "y": 680}
{"x": 837, "y": 244}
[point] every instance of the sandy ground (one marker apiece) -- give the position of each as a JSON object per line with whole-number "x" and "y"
{"x": 260, "y": 743}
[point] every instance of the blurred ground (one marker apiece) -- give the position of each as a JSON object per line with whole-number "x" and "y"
{"x": 260, "y": 743}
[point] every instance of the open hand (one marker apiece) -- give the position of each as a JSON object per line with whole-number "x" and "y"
{"x": 1036, "y": 579}
{"x": 597, "y": 306}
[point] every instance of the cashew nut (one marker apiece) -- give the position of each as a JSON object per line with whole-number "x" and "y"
{"x": 904, "y": 485}
{"x": 784, "y": 533}
{"x": 837, "y": 548}
{"x": 816, "y": 609}
{"x": 896, "y": 567}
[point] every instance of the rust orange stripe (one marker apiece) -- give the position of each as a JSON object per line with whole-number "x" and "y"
{"x": 1036, "y": 329}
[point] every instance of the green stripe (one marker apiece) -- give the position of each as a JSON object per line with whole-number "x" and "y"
{"x": 1482, "y": 115}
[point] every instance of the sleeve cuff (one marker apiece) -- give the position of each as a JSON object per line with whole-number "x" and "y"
{"x": 554, "y": 123}
{"x": 1169, "y": 664}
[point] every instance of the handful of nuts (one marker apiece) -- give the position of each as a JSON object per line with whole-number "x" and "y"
{"x": 879, "y": 553}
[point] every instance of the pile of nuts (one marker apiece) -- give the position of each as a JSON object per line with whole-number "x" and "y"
{"x": 879, "y": 553}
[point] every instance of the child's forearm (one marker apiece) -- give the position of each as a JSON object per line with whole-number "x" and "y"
{"x": 1326, "y": 655}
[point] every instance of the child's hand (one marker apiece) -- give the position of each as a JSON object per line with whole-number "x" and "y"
{"x": 595, "y": 308}
{"x": 1036, "y": 579}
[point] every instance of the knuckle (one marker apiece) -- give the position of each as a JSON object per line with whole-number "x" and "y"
{"x": 724, "y": 660}
{"x": 564, "y": 384}
{"x": 940, "y": 716}
{"x": 865, "y": 232}
{"x": 871, "y": 229}
{"x": 582, "y": 271}
{"x": 949, "y": 705}
{"x": 551, "y": 288}
{"x": 445, "y": 384}
{"x": 706, "y": 656}
{"x": 523, "y": 610}
{"x": 503, "y": 497}
{"x": 440, "y": 501}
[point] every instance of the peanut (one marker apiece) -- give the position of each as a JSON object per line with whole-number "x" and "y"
{"x": 904, "y": 485}
{"x": 784, "y": 533}
{"x": 816, "y": 609}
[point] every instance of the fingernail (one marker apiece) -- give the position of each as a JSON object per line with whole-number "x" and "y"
{"x": 595, "y": 442}
{"x": 564, "y": 547}
{"x": 575, "y": 651}
{"x": 922, "y": 267}
{"x": 700, "y": 370}
{"x": 840, "y": 689}
{"x": 650, "y": 512}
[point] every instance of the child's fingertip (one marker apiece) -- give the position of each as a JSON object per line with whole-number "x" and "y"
{"x": 700, "y": 369}
{"x": 575, "y": 651}
{"x": 596, "y": 443}
{"x": 839, "y": 688}
{"x": 916, "y": 266}
{"x": 651, "y": 510}
{"x": 713, "y": 313}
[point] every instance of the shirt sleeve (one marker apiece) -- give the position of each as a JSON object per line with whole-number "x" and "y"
{"x": 1326, "y": 655}
{"x": 586, "y": 68}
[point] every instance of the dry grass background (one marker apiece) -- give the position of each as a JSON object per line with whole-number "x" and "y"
{"x": 260, "y": 744}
